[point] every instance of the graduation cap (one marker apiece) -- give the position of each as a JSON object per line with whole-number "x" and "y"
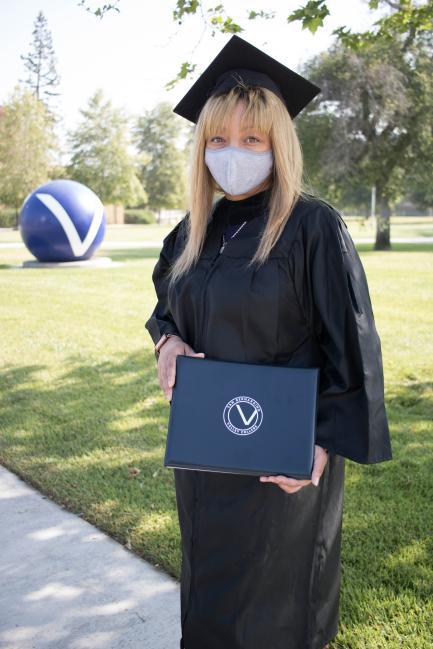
{"x": 240, "y": 61}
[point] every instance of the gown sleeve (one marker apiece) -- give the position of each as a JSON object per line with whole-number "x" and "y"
{"x": 161, "y": 320}
{"x": 333, "y": 290}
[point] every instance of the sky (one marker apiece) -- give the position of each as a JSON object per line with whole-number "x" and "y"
{"x": 131, "y": 55}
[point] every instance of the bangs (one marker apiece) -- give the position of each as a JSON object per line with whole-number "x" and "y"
{"x": 218, "y": 110}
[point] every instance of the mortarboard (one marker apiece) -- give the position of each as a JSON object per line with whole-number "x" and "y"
{"x": 239, "y": 60}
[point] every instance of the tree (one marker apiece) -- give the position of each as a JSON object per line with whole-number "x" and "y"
{"x": 101, "y": 157}
{"x": 40, "y": 62}
{"x": 27, "y": 146}
{"x": 371, "y": 125}
{"x": 164, "y": 175}
{"x": 419, "y": 154}
{"x": 404, "y": 20}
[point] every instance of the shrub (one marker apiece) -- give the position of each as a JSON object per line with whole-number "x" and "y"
{"x": 141, "y": 216}
{"x": 7, "y": 217}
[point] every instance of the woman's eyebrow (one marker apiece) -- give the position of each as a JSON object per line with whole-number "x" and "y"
{"x": 242, "y": 130}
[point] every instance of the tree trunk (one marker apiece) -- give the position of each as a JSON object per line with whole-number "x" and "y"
{"x": 383, "y": 230}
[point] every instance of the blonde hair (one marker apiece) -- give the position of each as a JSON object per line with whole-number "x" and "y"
{"x": 264, "y": 112}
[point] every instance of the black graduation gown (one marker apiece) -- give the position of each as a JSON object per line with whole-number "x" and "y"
{"x": 261, "y": 567}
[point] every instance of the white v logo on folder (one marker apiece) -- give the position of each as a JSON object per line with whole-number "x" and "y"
{"x": 246, "y": 421}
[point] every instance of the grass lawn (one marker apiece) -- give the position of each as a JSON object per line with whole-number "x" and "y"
{"x": 401, "y": 226}
{"x": 81, "y": 408}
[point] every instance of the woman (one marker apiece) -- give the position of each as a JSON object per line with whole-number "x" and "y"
{"x": 268, "y": 273}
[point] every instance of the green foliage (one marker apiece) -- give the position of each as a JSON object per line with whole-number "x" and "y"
{"x": 226, "y": 25}
{"x": 100, "y": 154}
{"x": 100, "y": 11}
{"x": 185, "y": 7}
{"x": 28, "y": 146}
{"x": 267, "y": 15}
{"x": 371, "y": 125}
{"x": 311, "y": 15}
{"x": 139, "y": 216}
{"x": 164, "y": 173}
{"x": 405, "y": 20}
{"x": 8, "y": 217}
{"x": 185, "y": 69}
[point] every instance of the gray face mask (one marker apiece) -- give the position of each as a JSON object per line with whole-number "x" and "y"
{"x": 237, "y": 170}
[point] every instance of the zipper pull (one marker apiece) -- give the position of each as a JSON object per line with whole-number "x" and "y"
{"x": 222, "y": 247}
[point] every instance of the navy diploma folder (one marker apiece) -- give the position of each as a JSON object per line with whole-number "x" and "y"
{"x": 241, "y": 417}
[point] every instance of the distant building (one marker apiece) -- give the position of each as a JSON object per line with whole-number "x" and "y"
{"x": 115, "y": 214}
{"x": 170, "y": 216}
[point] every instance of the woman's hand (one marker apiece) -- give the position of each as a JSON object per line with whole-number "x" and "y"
{"x": 167, "y": 362}
{"x": 291, "y": 485}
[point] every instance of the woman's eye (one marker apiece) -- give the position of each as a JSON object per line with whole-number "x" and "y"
{"x": 217, "y": 137}
{"x": 253, "y": 137}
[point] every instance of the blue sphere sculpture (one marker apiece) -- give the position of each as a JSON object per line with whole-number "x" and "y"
{"x": 62, "y": 220}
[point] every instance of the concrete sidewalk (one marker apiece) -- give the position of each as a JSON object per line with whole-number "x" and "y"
{"x": 64, "y": 583}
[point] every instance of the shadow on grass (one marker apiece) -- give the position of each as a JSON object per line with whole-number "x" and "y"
{"x": 70, "y": 439}
{"x": 77, "y": 441}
